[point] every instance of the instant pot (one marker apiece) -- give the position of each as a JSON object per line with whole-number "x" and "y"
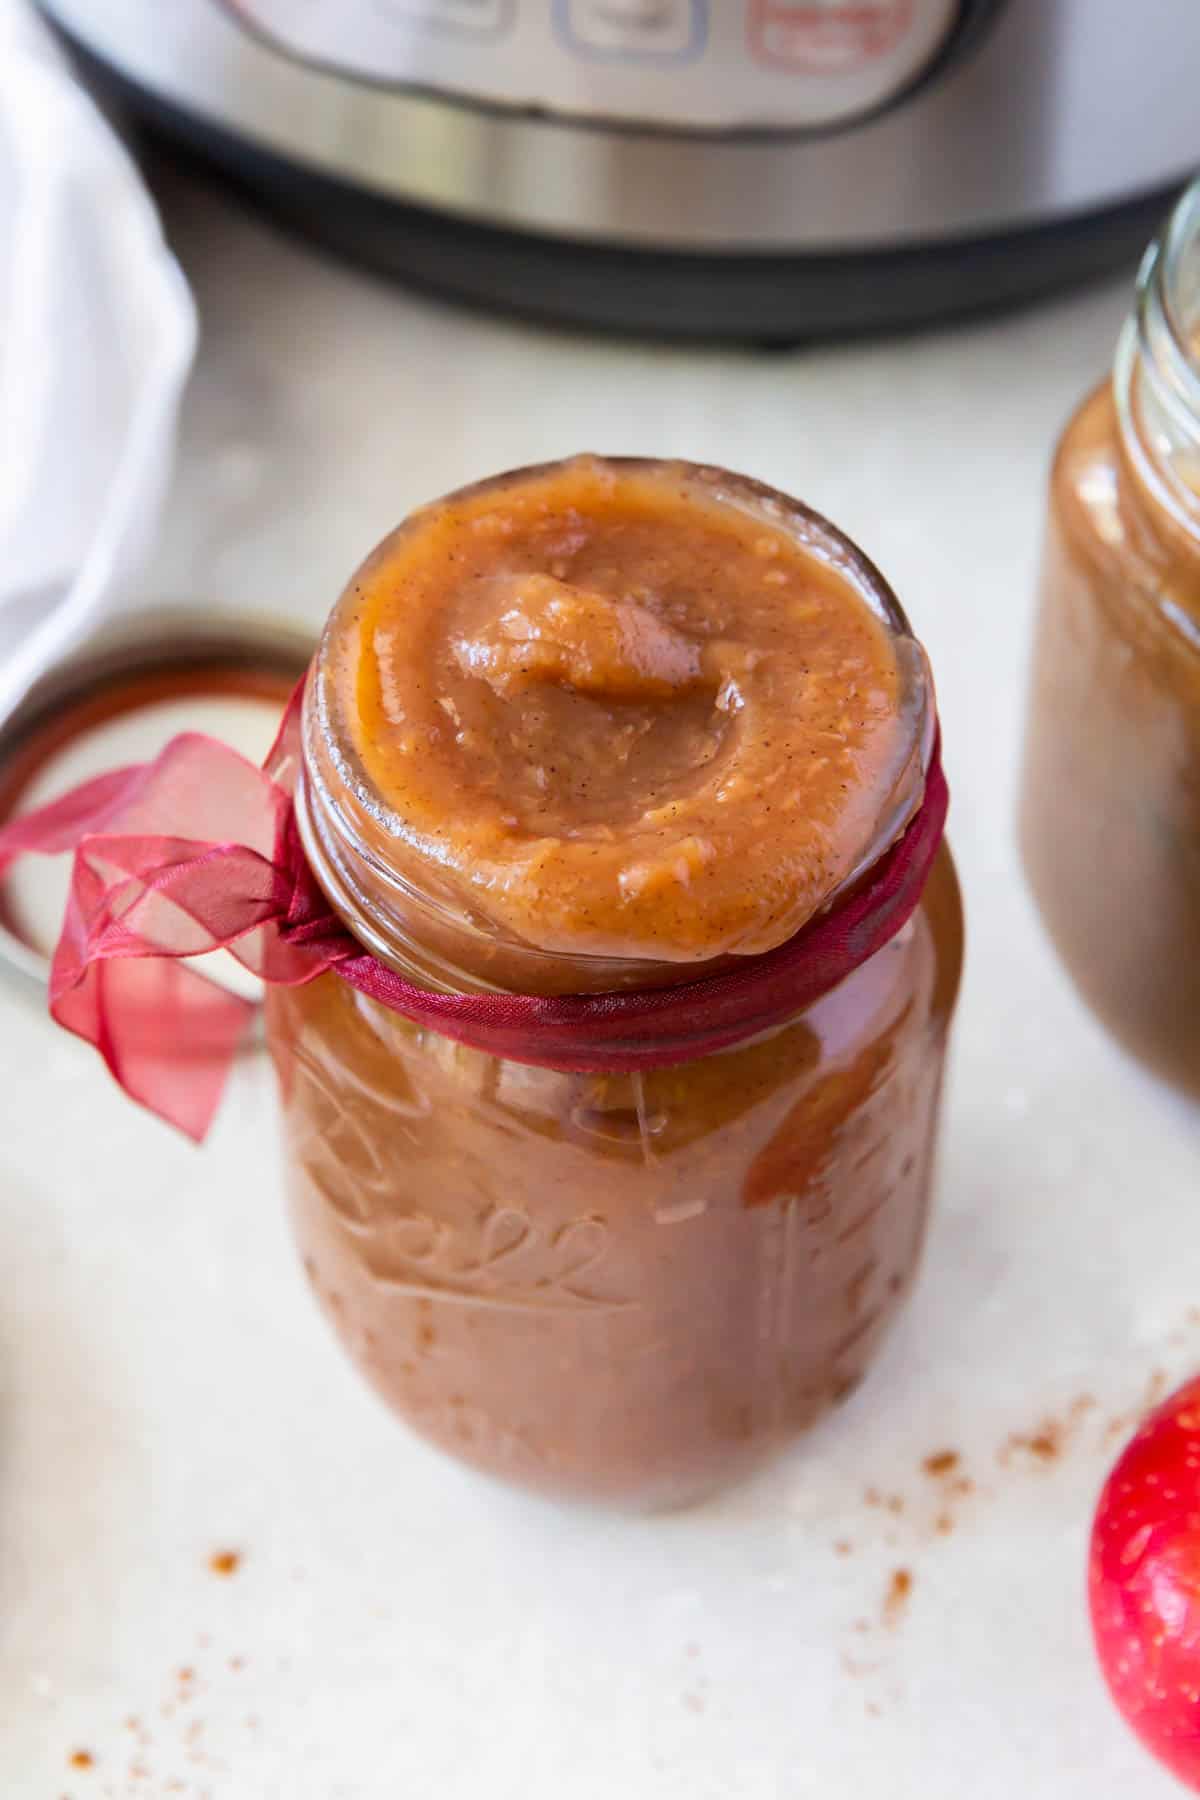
{"x": 749, "y": 168}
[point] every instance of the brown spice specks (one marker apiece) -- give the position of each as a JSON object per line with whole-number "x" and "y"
{"x": 1044, "y": 1445}
{"x": 225, "y": 1562}
{"x": 942, "y": 1462}
{"x": 896, "y": 1599}
{"x": 893, "y": 1503}
{"x": 82, "y": 1759}
{"x": 1050, "y": 1438}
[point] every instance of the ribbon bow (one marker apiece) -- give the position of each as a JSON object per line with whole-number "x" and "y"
{"x": 199, "y": 850}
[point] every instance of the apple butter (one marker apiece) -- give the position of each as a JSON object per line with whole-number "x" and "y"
{"x": 1110, "y": 809}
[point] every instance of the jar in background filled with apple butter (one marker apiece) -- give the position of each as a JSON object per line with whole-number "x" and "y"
{"x": 1110, "y": 810}
{"x": 615, "y": 728}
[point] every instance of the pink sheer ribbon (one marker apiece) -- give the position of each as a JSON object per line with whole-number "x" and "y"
{"x": 199, "y": 850}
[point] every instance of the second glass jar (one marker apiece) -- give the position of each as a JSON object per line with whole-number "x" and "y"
{"x": 1110, "y": 806}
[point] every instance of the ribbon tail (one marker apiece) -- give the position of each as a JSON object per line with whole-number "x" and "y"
{"x": 140, "y": 901}
{"x": 168, "y": 1036}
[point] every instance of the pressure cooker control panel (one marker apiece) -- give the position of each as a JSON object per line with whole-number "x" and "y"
{"x": 689, "y": 64}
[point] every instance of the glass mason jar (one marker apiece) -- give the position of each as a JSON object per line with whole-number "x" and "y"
{"x": 624, "y": 1286}
{"x": 1110, "y": 806}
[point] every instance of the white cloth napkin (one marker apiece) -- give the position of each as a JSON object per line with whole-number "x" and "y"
{"x": 97, "y": 334}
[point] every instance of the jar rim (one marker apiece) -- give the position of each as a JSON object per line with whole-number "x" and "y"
{"x": 1156, "y": 373}
{"x": 1164, "y": 272}
{"x": 339, "y": 810}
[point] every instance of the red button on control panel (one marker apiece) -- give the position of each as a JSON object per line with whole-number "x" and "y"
{"x": 829, "y": 39}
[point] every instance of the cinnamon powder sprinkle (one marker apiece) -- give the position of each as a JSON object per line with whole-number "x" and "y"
{"x": 896, "y": 1598}
{"x": 82, "y": 1759}
{"x": 1045, "y": 1444}
{"x": 893, "y": 1503}
{"x": 225, "y": 1562}
{"x": 942, "y": 1462}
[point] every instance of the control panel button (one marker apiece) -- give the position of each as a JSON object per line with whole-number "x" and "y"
{"x": 827, "y": 37}
{"x": 634, "y": 30}
{"x": 464, "y": 18}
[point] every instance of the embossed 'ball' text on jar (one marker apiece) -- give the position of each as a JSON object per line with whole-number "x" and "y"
{"x": 1110, "y": 804}
{"x": 607, "y": 727}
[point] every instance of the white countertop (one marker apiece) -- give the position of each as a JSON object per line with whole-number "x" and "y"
{"x": 400, "y": 1629}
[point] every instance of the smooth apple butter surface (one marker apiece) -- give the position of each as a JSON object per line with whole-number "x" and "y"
{"x": 637, "y": 719}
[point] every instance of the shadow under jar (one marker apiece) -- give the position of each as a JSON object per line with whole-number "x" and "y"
{"x": 601, "y": 726}
{"x": 1110, "y": 808}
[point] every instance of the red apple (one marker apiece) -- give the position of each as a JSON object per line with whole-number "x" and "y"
{"x": 1144, "y": 1582}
